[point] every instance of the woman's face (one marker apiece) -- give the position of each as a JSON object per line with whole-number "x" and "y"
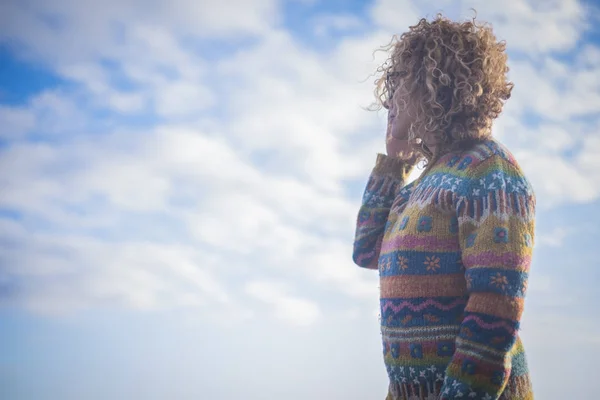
{"x": 399, "y": 120}
{"x": 401, "y": 117}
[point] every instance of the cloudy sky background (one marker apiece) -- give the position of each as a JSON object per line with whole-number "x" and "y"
{"x": 179, "y": 182}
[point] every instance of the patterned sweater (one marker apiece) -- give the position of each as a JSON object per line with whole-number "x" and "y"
{"x": 453, "y": 250}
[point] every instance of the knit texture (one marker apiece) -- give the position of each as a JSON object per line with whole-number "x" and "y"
{"x": 453, "y": 251}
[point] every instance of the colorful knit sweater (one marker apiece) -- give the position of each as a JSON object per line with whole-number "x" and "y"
{"x": 453, "y": 251}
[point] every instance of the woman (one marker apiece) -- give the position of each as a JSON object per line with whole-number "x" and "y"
{"x": 453, "y": 248}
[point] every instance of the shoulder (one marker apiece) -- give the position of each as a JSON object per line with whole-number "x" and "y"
{"x": 487, "y": 167}
{"x": 479, "y": 155}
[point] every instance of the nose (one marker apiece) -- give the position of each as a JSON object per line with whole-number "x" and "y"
{"x": 386, "y": 104}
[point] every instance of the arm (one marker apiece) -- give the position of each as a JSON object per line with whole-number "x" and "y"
{"x": 496, "y": 227}
{"x": 387, "y": 177}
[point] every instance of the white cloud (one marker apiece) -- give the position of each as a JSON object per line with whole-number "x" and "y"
{"x": 44, "y": 114}
{"x": 588, "y": 159}
{"x": 589, "y": 56}
{"x": 395, "y": 16}
{"x": 554, "y": 90}
{"x": 565, "y": 184}
{"x": 66, "y": 30}
{"x": 554, "y": 238}
{"x": 334, "y": 23}
{"x": 182, "y": 98}
{"x": 16, "y": 121}
{"x": 61, "y": 273}
{"x": 533, "y": 27}
{"x": 97, "y": 82}
{"x": 529, "y": 26}
{"x": 293, "y": 310}
{"x": 154, "y": 68}
{"x": 331, "y": 264}
{"x": 305, "y": 106}
{"x": 176, "y": 176}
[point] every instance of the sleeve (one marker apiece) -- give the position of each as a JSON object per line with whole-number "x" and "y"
{"x": 386, "y": 179}
{"x": 496, "y": 218}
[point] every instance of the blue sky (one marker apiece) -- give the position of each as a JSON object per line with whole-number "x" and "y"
{"x": 180, "y": 183}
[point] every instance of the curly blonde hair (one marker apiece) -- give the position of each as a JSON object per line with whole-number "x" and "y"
{"x": 454, "y": 74}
